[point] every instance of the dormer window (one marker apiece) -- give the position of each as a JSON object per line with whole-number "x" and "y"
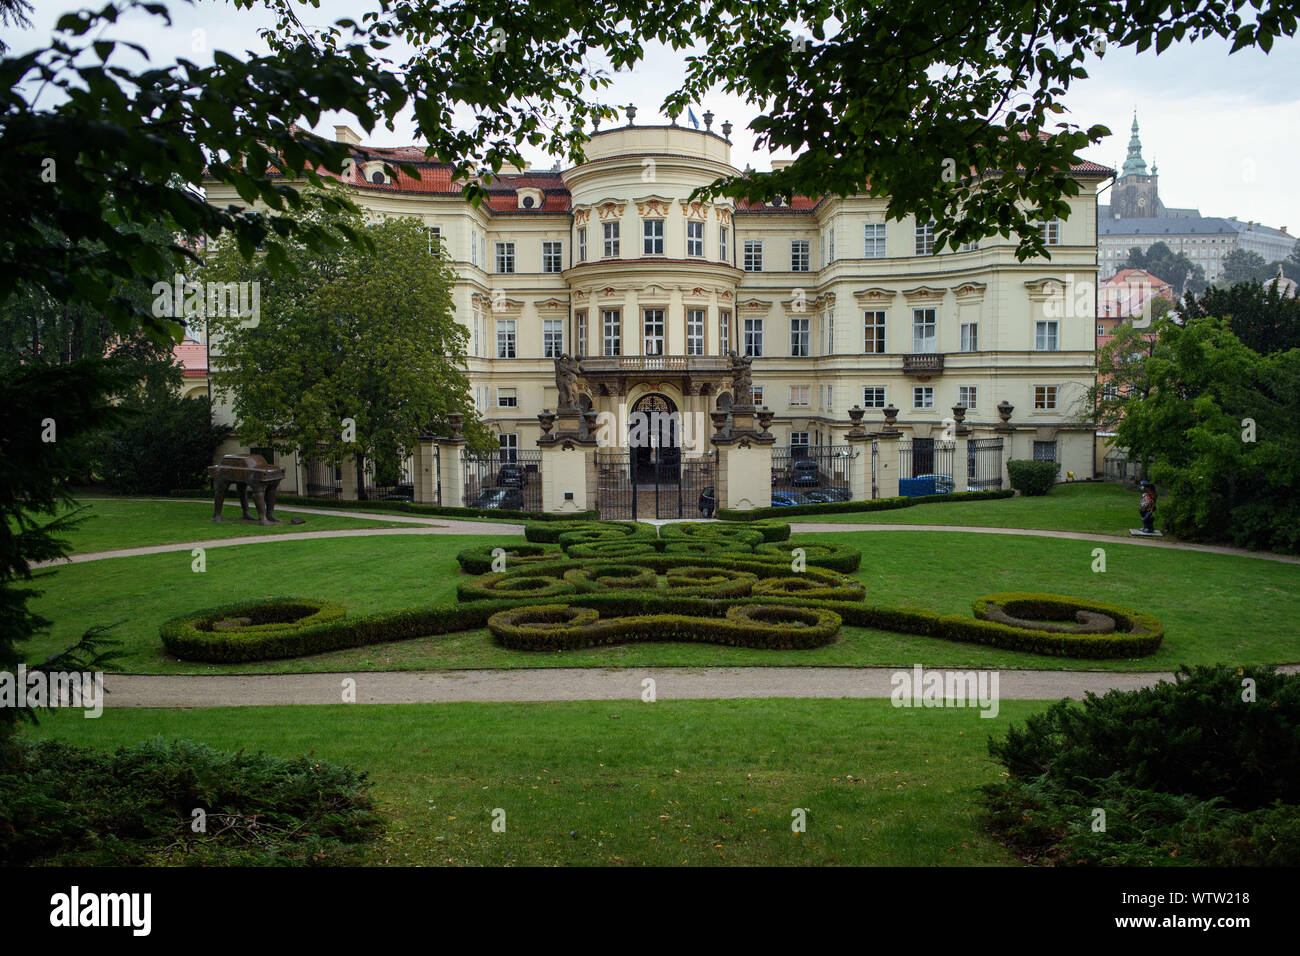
{"x": 377, "y": 177}
{"x": 529, "y": 198}
{"x": 374, "y": 173}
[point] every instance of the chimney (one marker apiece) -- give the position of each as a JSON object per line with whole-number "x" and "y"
{"x": 344, "y": 134}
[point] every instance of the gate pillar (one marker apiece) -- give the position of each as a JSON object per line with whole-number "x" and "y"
{"x": 744, "y": 459}
{"x": 451, "y": 473}
{"x": 568, "y": 469}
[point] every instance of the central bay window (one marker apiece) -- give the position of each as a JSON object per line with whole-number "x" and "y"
{"x": 753, "y": 255}
{"x": 724, "y": 331}
{"x": 611, "y": 240}
{"x": 695, "y": 331}
{"x": 611, "y": 321}
{"x": 652, "y": 231}
{"x": 799, "y": 337}
{"x": 800, "y": 258}
{"x": 552, "y": 338}
{"x": 1045, "y": 336}
{"x": 923, "y": 331}
{"x": 754, "y": 337}
{"x": 873, "y": 326}
{"x": 654, "y": 332}
{"x": 695, "y": 238}
{"x": 505, "y": 257}
{"x": 505, "y": 338}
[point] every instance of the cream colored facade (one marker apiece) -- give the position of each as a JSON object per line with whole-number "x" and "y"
{"x": 976, "y": 326}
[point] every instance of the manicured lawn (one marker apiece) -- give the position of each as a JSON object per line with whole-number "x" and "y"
{"x": 615, "y": 783}
{"x": 125, "y": 523}
{"x": 1216, "y": 608}
{"x": 1092, "y": 507}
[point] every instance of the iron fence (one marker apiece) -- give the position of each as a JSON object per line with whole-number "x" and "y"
{"x": 389, "y": 482}
{"x": 510, "y": 480}
{"x": 663, "y": 484}
{"x": 322, "y": 479}
{"x": 927, "y": 458}
{"x": 983, "y": 465}
{"x": 812, "y": 474}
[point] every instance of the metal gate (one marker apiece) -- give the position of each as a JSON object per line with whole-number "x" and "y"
{"x": 811, "y": 474}
{"x": 666, "y": 485}
{"x": 323, "y": 480}
{"x": 927, "y": 458}
{"x": 983, "y": 465}
{"x": 503, "y": 479}
{"x": 390, "y": 483}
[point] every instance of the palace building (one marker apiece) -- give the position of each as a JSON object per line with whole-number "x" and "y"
{"x": 613, "y": 263}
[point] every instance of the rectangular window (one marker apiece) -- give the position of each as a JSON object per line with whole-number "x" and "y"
{"x": 923, "y": 331}
{"x": 507, "y": 398}
{"x": 611, "y": 240}
{"x": 722, "y": 244}
{"x": 611, "y": 321}
{"x": 830, "y": 398}
{"x": 505, "y": 257}
{"x": 970, "y": 246}
{"x": 552, "y": 257}
{"x": 923, "y": 396}
{"x": 1045, "y": 336}
{"x": 829, "y": 325}
{"x": 482, "y": 250}
{"x": 800, "y": 396}
{"x": 968, "y": 395}
{"x": 754, "y": 337}
{"x": 724, "y": 331}
{"x": 552, "y": 338}
{"x": 473, "y": 249}
{"x": 477, "y": 319}
{"x": 925, "y": 238}
{"x": 799, "y": 337}
{"x": 753, "y": 255}
{"x": 652, "y": 231}
{"x": 756, "y": 394}
{"x": 1045, "y": 398}
{"x": 1051, "y": 232}
{"x": 970, "y": 339}
{"x": 654, "y": 332}
{"x": 434, "y": 235}
{"x": 1110, "y": 391}
{"x": 505, "y": 338}
{"x": 509, "y": 445}
{"x": 799, "y": 440}
{"x": 873, "y": 396}
{"x": 580, "y": 346}
{"x": 831, "y": 237}
{"x": 800, "y": 258}
{"x": 1044, "y": 451}
{"x": 695, "y": 331}
{"x": 874, "y": 241}
{"x": 873, "y": 341}
{"x": 695, "y": 238}
{"x": 582, "y": 244}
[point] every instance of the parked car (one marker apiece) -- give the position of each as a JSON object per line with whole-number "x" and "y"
{"x": 508, "y": 499}
{"x": 512, "y": 476}
{"x": 804, "y": 473}
{"x": 708, "y": 502}
{"x": 787, "y": 499}
{"x": 827, "y": 495}
{"x": 942, "y": 483}
{"x": 399, "y": 493}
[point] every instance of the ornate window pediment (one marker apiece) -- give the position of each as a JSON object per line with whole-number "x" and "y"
{"x": 875, "y": 294}
{"x": 653, "y": 207}
{"x": 1049, "y": 287}
{"x": 924, "y": 293}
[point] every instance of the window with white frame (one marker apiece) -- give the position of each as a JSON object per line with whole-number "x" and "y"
{"x": 505, "y": 257}
{"x": 754, "y": 337}
{"x": 800, "y": 258}
{"x": 434, "y": 236}
{"x": 874, "y": 241}
{"x": 799, "y": 337}
{"x": 507, "y": 398}
{"x": 580, "y": 323}
{"x": 482, "y": 249}
{"x": 828, "y": 323}
{"x": 509, "y": 446}
{"x": 582, "y": 244}
{"x": 873, "y": 396}
{"x": 923, "y": 331}
{"x": 695, "y": 238}
{"x": 799, "y": 440}
{"x": 552, "y": 338}
{"x": 653, "y": 321}
{"x": 800, "y": 396}
{"x": 970, "y": 337}
{"x": 968, "y": 395}
{"x": 652, "y": 236}
{"x": 552, "y": 257}
{"x": 970, "y": 246}
{"x": 1045, "y": 336}
{"x": 1050, "y": 231}
{"x": 611, "y": 240}
{"x": 611, "y": 334}
{"x": 829, "y": 401}
{"x": 695, "y": 331}
{"x": 873, "y": 332}
{"x": 505, "y": 338}
{"x": 753, "y": 261}
{"x": 473, "y": 249}
{"x": 724, "y": 331}
{"x": 923, "y": 396}
{"x": 831, "y": 242}
{"x": 723, "y": 253}
{"x": 477, "y": 319}
{"x": 1110, "y": 391}
{"x": 1045, "y": 398}
{"x": 756, "y": 395}
{"x": 925, "y": 238}
{"x": 1101, "y": 330}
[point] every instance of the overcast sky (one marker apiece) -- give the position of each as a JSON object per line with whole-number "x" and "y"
{"x": 1224, "y": 130}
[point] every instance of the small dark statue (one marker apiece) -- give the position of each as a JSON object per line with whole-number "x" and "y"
{"x": 251, "y": 475}
{"x": 1147, "y": 508}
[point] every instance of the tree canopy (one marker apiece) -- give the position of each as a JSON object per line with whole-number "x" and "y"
{"x": 1174, "y": 267}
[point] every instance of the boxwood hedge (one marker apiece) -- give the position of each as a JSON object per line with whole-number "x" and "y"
{"x": 479, "y": 560}
{"x": 823, "y": 554}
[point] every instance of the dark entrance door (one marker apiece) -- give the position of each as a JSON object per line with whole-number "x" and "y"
{"x": 654, "y": 434}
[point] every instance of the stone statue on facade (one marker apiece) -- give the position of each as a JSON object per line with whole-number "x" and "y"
{"x": 567, "y": 371}
{"x": 742, "y": 378}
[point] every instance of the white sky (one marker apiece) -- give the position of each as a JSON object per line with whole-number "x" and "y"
{"x": 1224, "y": 130}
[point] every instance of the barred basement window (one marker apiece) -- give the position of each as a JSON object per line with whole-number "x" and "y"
{"x": 1044, "y": 451}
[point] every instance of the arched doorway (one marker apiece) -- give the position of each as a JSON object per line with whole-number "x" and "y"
{"x": 655, "y": 438}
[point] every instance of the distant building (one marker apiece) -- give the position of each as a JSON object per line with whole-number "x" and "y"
{"x": 1128, "y": 293}
{"x": 1138, "y": 217}
{"x": 192, "y": 357}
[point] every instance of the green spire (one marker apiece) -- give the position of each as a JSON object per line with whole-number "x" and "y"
{"x": 1134, "y": 163}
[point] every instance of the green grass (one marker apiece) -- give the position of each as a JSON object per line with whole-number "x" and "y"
{"x": 113, "y": 524}
{"x": 1216, "y": 608}
{"x": 1091, "y": 507}
{"x": 614, "y": 783}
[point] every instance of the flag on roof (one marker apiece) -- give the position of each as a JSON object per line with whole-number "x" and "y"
{"x": 690, "y": 115}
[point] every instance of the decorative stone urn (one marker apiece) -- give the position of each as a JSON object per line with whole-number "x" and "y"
{"x": 1005, "y": 409}
{"x": 891, "y": 421}
{"x": 765, "y": 416}
{"x": 456, "y": 421}
{"x": 547, "y": 420}
{"x": 855, "y": 428}
{"x": 719, "y": 422}
{"x": 959, "y": 416}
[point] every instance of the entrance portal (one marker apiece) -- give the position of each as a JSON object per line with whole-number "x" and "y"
{"x": 655, "y": 437}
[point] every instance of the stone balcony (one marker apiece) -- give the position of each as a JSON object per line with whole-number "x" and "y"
{"x": 613, "y": 374}
{"x": 923, "y": 364}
